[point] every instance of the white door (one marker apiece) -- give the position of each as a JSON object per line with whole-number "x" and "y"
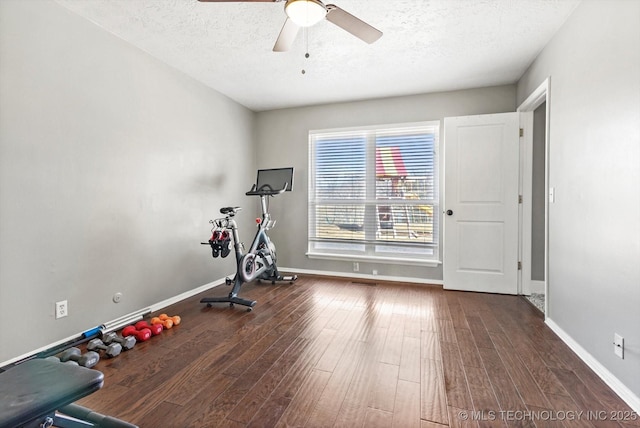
{"x": 481, "y": 161}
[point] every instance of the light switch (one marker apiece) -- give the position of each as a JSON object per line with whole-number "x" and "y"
{"x": 618, "y": 343}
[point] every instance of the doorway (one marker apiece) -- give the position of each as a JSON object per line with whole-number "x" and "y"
{"x": 535, "y": 191}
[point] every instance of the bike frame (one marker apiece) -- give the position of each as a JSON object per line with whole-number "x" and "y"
{"x": 257, "y": 263}
{"x": 261, "y": 255}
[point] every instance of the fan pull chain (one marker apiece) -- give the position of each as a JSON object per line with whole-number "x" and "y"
{"x": 306, "y": 38}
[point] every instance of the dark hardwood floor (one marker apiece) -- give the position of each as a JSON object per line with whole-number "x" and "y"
{"x": 330, "y": 352}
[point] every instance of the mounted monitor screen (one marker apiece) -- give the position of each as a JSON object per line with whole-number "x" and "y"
{"x": 276, "y": 178}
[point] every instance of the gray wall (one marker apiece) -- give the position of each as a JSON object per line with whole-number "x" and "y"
{"x": 111, "y": 165}
{"x": 282, "y": 137}
{"x": 594, "y": 225}
{"x": 538, "y": 194}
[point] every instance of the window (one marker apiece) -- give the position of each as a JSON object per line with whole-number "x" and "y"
{"x": 373, "y": 193}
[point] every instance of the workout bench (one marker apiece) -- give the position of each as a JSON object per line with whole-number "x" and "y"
{"x": 40, "y": 393}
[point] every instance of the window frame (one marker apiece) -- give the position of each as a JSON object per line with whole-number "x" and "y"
{"x": 369, "y": 254}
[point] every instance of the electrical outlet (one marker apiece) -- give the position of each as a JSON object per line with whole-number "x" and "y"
{"x": 618, "y": 343}
{"x": 356, "y": 266}
{"x": 62, "y": 309}
{"x": 374, "y": 272}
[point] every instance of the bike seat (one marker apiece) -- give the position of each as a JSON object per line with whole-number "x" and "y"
{"x": 229, "y": 210}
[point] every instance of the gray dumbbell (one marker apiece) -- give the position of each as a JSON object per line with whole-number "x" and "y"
{"x": 126, "y": 342}
{"x": 89, "y": 359}
{"x": 56, "y": 359}
{"x": 110, "y": 351}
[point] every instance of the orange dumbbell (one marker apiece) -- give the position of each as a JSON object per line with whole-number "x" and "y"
{"x": 176, "y": 319}
{"x": 166, "y": 321}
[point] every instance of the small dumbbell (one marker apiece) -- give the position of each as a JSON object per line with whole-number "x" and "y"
{"x": 166, "y": 323}
{"x": 126, "y": 342}
{"x": 223, "y": 243}
{"x": 176, "y": 318}
{"x": 156, "y": 329}
{"x": 140, "y": 335}
{"x": 213, "y": 241}
{"x": 56, "y": 359}
{"x": 110, "y": 351}
{"x": 88, "y": 360}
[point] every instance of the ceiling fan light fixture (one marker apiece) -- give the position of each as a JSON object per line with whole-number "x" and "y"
{"x": 305, "y": 13}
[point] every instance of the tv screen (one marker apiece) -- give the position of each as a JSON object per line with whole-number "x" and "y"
{"x": 276, "y": 178}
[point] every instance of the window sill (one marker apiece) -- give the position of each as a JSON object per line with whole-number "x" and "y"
{"x": 374, "y": 259}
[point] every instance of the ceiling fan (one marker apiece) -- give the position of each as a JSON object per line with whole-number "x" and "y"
{"x": 305, "y": 13}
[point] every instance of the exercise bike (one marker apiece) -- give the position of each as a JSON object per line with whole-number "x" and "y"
{"x": 259, "y": 263}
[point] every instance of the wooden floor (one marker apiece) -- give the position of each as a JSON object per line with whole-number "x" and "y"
{"x": 329, "y": 352}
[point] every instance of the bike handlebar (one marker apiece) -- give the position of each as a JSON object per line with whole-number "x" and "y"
{"x": 265, "y": 190}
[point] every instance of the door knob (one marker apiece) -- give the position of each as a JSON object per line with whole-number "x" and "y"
{"x": 449, "y": 212}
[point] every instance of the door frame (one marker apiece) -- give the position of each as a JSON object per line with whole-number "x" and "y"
{"x": 529, "y": 105}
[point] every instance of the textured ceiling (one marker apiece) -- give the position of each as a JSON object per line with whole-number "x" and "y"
{"x": 427, "y": 46}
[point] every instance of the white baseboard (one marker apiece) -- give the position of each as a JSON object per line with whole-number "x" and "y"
{"x": 362, "y": 276}
{"x": 614, "y": 383}
{"x": 152, "y": 308}
{"x": 175, "y": 299}
{"x": 537, "y": 287}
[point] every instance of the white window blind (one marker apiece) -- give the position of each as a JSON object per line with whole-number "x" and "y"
{"x": 374, "y": 192}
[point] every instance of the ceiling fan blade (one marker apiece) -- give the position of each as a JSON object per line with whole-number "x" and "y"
{"x": 239, "y": 1}
{"x": 287, "y": 36}
{"x": 353, "y": 25}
